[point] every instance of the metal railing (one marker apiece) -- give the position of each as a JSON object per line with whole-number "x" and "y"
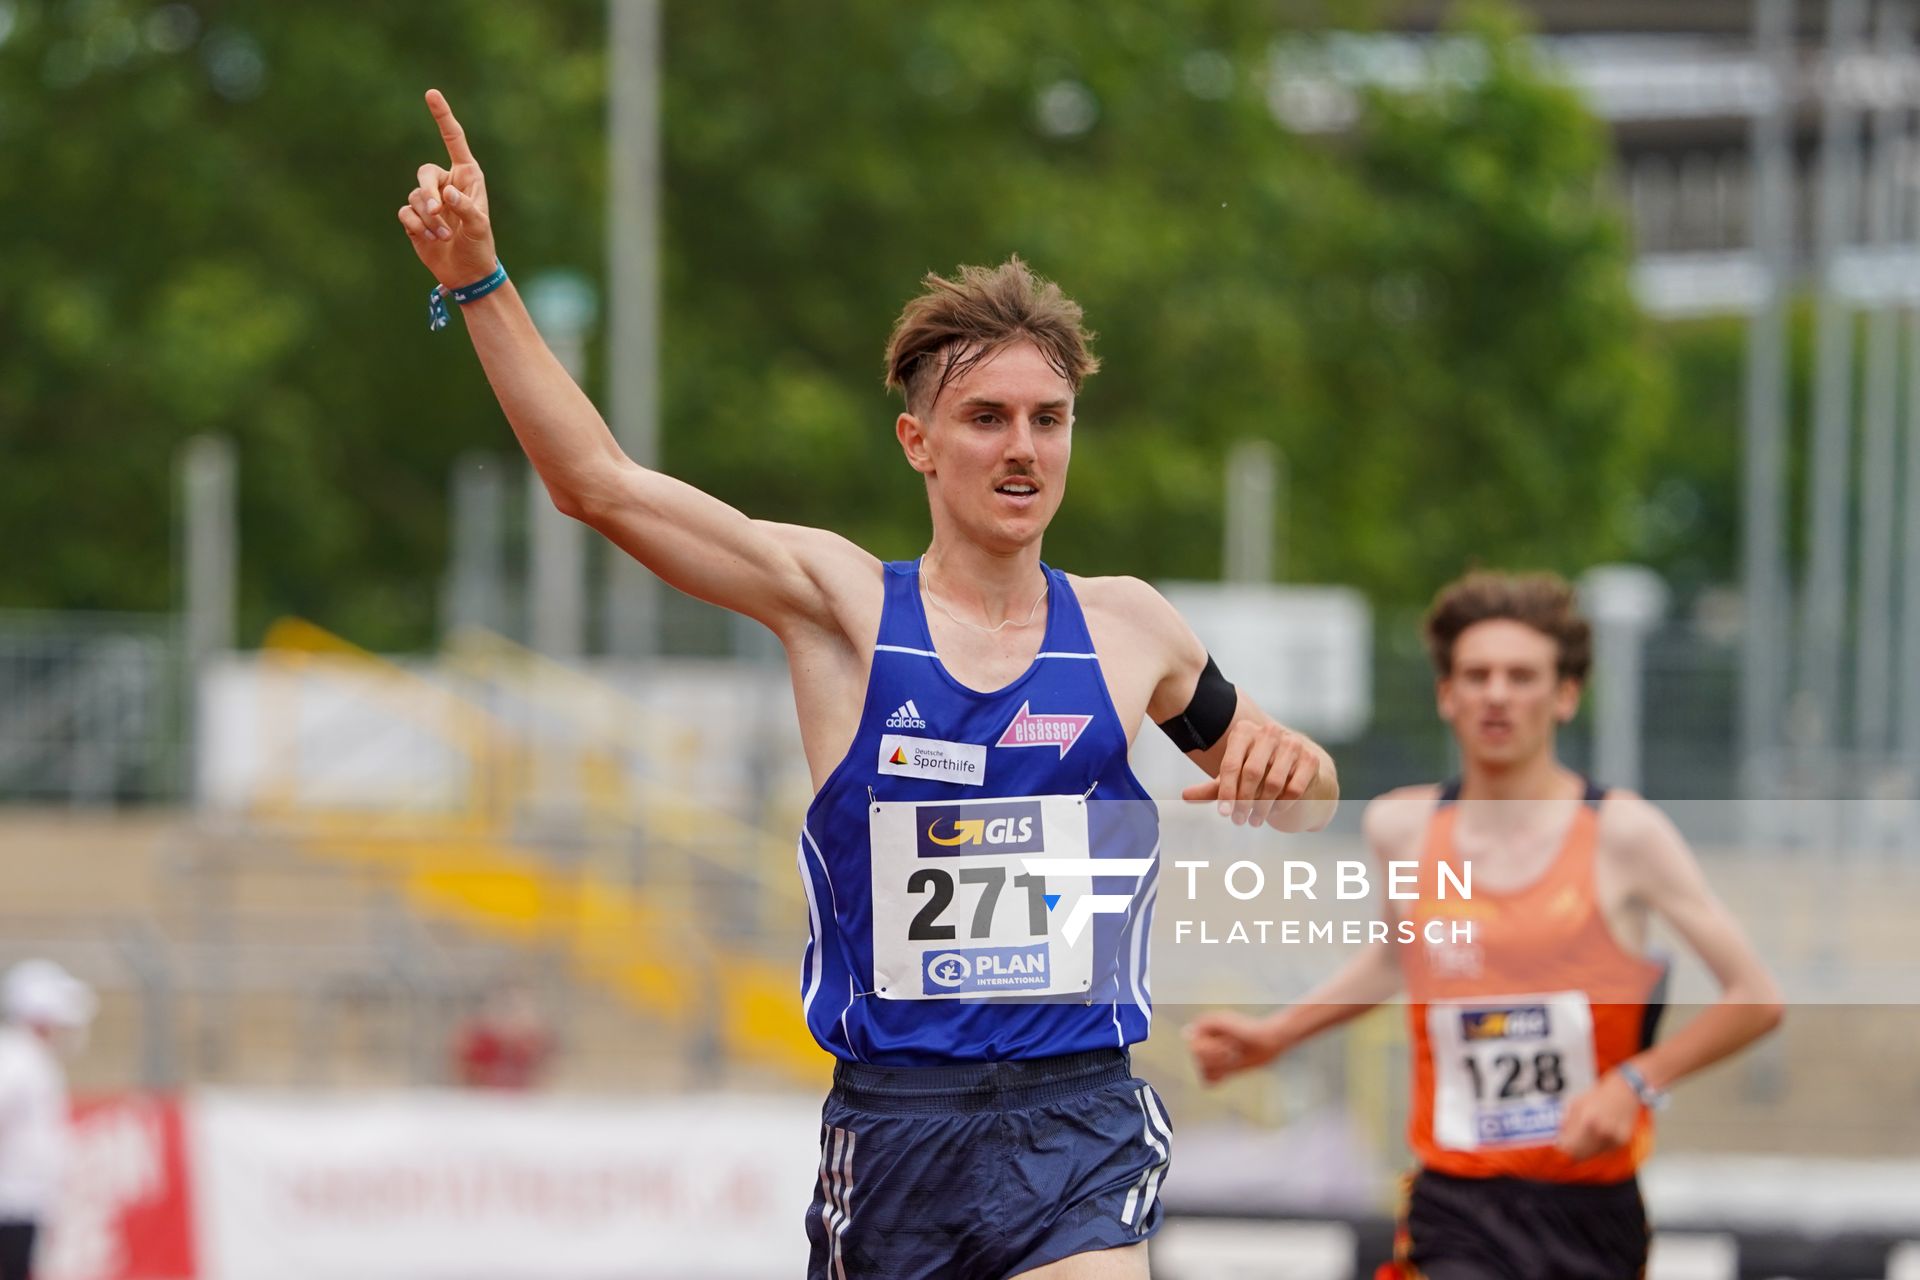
{"x": 91, "y": 709}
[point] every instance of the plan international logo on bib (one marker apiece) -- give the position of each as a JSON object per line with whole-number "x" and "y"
{"x": 984, "y": 969}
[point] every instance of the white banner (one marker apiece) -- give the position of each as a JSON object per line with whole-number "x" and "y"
{"x": 470, "y": 1187}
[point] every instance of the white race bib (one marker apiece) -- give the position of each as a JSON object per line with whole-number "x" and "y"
{"x": 956, "y": 913}
{"x": 1504, "y": 1067}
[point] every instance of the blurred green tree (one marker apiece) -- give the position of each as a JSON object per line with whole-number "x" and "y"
{"x": 1429, "y": 313}
{"x": 197, "y": 203}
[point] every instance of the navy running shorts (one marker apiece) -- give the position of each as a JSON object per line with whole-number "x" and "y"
{"x": 983, "y": 1170}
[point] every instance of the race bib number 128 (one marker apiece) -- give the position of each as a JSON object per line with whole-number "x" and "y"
{"x": 956, "y": 913}
{"x": 1505, "y": 1067}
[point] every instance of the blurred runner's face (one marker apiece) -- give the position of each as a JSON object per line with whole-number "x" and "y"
{"x": 1505, "y": 695}
{"x": 997, "y": 447}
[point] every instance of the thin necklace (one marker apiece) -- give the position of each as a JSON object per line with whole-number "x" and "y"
{"x": 926, "y": 585}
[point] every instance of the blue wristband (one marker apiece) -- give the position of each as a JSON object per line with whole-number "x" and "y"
{"x": 1651, "y": 1098}
{"x": 436, "y": 298}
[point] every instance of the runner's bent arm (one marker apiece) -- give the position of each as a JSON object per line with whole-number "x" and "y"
{"x": 1261, "y": 763}
{"x": 1391, "y": 825}
{"x": 1226, "y": 1043}
{"x": 1262, "y": 771}
{"x": 776, "y": 574}
{"x": 1664, "y": 875}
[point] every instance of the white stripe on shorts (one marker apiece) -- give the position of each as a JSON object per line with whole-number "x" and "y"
{"x": 846, "y": 1205}
{"x": 836, "y": 1183}
{"x": 1157, "y": 1121}
{"x": 829, "y": 1191}
{"x": 1147, "y": 1185}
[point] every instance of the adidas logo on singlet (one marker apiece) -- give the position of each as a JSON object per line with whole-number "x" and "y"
{"x": 907, "y": 716}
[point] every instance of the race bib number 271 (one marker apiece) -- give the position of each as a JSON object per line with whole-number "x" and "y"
{"x": 957, "y": 913}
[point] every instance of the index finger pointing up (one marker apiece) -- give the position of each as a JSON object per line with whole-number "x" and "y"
{"x": 450, "y": 130}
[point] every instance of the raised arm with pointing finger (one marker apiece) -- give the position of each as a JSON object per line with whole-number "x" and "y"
{"x": 779, "y": 575}
{"x": 813, "y": 588}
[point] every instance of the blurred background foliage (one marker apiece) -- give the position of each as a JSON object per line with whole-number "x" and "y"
{"x": 1430, "y": 314}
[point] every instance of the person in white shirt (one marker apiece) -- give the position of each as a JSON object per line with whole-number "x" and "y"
{"x": 45, "y": 1009}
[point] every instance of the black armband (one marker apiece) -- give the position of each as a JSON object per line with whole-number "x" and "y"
{"x": 1206, "y": 718}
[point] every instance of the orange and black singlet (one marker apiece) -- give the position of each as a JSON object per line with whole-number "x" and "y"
{"x": 1534, "y": 1010}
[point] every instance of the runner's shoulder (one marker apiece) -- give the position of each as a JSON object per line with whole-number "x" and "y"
{"x": 1130, "y": 603}
{"x": 1394, "y": 820}
{"x": 1632, "y": 827}
{"x": 1116, "y": 591}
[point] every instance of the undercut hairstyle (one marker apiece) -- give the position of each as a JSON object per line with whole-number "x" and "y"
{"x": 1543, "y": 601}
{"x": 956, "y": 323}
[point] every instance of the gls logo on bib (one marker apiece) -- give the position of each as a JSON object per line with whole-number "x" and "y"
{"x": 1521, "y": 1022}
{"x": 951, "y": 830}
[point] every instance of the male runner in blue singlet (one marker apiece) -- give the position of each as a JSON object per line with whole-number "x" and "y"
{"x": 966, "y": 717}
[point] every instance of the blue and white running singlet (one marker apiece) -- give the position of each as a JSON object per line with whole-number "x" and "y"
{"x": 936, "y": 936}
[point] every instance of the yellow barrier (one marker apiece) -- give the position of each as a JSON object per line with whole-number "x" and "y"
{"x": 652, "y": 944}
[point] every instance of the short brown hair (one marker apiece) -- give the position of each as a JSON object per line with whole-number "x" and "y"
{"x": 975, "y": 314}
{"x": 1543, "y": 601}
